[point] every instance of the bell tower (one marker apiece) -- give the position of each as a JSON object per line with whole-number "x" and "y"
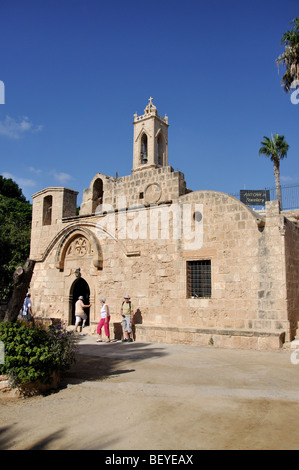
{"x": 150, "y": 148}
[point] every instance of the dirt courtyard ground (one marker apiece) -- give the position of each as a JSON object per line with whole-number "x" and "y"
{"x": 153, "y": 396}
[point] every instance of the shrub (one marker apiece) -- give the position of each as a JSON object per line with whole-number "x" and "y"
{"x": 33, "y": 354}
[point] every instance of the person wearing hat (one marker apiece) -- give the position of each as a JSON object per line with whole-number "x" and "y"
{"x": 127, "y": 314}
{"x": 79, "y": 313}
{"x": 105, "y": 319}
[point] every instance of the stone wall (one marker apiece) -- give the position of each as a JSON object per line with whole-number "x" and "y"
{"x": 63, "y": 204}
{"x": 253, "y": 293}
{"x": 148, "y": 186}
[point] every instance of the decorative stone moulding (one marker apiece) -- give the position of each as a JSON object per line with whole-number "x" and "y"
{"x": 87, "y": 243}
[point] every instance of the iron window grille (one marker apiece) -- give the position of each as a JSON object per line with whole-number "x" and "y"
{"x": 199, "y": 279}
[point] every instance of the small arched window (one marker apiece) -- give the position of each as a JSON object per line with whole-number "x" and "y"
{"x": 144, "y": 150}
{"x": 97, "y": 194}
{"x": 47, "y": 210}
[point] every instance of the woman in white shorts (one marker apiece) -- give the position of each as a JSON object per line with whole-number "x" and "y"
{"x": 79, "y": 313}
{"x": 105, "y": 319}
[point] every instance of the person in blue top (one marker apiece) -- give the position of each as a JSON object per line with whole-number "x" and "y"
{"x": 27, "y": 308}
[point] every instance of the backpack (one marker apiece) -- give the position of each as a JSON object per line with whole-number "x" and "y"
{"x": 130, "y": 303}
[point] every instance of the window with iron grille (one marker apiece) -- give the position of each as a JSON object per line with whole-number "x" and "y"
{"x": 199, "y": 279}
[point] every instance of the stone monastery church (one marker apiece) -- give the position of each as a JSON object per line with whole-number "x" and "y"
{"x": 201, "y": 267}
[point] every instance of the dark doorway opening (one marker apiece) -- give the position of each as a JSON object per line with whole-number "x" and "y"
{"x": 80, "y": 287}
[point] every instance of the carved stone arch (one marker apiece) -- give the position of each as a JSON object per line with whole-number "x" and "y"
{"x": 161, "y": 134}
{"x": 143, "y": 131}
{"x": 68, "y": 237}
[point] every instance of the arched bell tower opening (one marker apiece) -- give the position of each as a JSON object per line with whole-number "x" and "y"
{"x": 97, "y": 194}
{"x": 144, "y": 149}
{"x": 78, "y": 288}
{"x": 160, "y": 149}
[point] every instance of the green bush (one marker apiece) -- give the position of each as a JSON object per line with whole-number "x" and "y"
{"x": 32, "y": 354}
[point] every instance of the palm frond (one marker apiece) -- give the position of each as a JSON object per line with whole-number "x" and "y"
{"x": 290, "y": 57}
{"x": 275, "y": 147}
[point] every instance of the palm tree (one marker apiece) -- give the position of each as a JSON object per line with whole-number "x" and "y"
{"x": 276, "y": 148}
{"x": 290, "y": 56}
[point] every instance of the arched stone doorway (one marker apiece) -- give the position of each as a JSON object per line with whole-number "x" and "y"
{"x": 79, "y": 287}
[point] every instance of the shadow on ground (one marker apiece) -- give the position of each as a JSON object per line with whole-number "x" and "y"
{"x": 99, "y": 361}
{"x": 93, "y": 369}
{"x": 94, "y": 362}
{"x": 7, "y": 437}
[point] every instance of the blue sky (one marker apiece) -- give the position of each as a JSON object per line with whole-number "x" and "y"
{"x": 75, "y": 72}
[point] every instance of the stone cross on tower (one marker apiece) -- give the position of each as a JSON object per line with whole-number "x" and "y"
{"x": 150, "y": 147}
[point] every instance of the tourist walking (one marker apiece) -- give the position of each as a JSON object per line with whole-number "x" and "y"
{"x": 79, "y": 313}
{"x": 127, "y": 314}
{"x": 27, "y": 308}
{"x": 104, "y": 321}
